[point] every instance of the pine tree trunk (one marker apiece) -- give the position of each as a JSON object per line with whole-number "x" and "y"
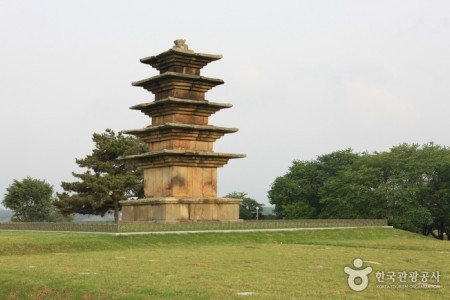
{"x": 116, "y": 211}
{"x": 441, "y": 231}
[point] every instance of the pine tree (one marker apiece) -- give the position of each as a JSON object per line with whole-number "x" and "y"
{"x": 107, "y": 180}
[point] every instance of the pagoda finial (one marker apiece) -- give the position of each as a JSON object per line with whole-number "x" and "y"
{"x": 180, "y": 44}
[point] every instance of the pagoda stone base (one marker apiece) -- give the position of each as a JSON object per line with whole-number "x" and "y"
{"x": 179, "y": 210}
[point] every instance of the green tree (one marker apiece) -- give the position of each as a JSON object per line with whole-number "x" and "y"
{"x": 409, "y": 185}
{"x": 30, "y": 200}
{"x": 435, "y": 197}
{"x": 407, "y": 169}
{"x": 248, "y": 208}
{"x": 352, "y": 194}
{"x": 107, "y": 180}
{"x": 296, "y": 194}
{"x": 383, "y": 185}
{"x": 438, "y": 202}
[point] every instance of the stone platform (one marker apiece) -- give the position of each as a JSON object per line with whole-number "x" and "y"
{"x": 179, "y": 210}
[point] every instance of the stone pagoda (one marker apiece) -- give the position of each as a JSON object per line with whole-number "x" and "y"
{"x": 180, "y": 167}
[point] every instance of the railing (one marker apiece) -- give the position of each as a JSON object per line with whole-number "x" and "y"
{"x": 156, "y": 227}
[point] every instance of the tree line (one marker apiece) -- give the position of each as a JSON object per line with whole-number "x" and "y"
{"x": 409, "y": 185}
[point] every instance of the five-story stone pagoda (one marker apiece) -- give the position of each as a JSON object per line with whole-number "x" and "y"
{"x": 180, "y": 169}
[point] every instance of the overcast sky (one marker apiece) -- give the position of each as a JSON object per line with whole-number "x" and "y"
{"x": 305, "y": 78}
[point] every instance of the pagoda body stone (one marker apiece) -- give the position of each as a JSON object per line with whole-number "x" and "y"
{"x": 180, "y": 167}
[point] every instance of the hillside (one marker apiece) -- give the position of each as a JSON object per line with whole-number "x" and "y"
{"x": 268, "y": 265}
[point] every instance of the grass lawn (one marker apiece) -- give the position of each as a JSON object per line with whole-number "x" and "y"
{"x": 272, "y": 265}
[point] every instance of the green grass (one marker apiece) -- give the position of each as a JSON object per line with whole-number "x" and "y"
{"x": 274, "y": 265}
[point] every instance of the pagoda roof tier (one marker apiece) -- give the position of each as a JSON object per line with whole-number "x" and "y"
{"x": 180, "y": 60}
{"x": 176, "y": 200}
{"x": 171, "y": 81}
{"x": 166, "y": 158}
{"x": 173, "y": 105}
{"x": 180, "y": 131}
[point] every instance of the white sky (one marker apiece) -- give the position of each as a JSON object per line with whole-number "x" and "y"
{"x": 305, "y": 78}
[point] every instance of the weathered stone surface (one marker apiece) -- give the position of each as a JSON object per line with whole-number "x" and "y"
{"x": 180, "y": 110}
{"x": 180, "y": 59}
{"x": 177, "y": 131}
{"x": 178, "y": 85}
{"x": 175, "y": 210}
{"x": 180, "y": 169}
{"x": 168, "y": 157}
